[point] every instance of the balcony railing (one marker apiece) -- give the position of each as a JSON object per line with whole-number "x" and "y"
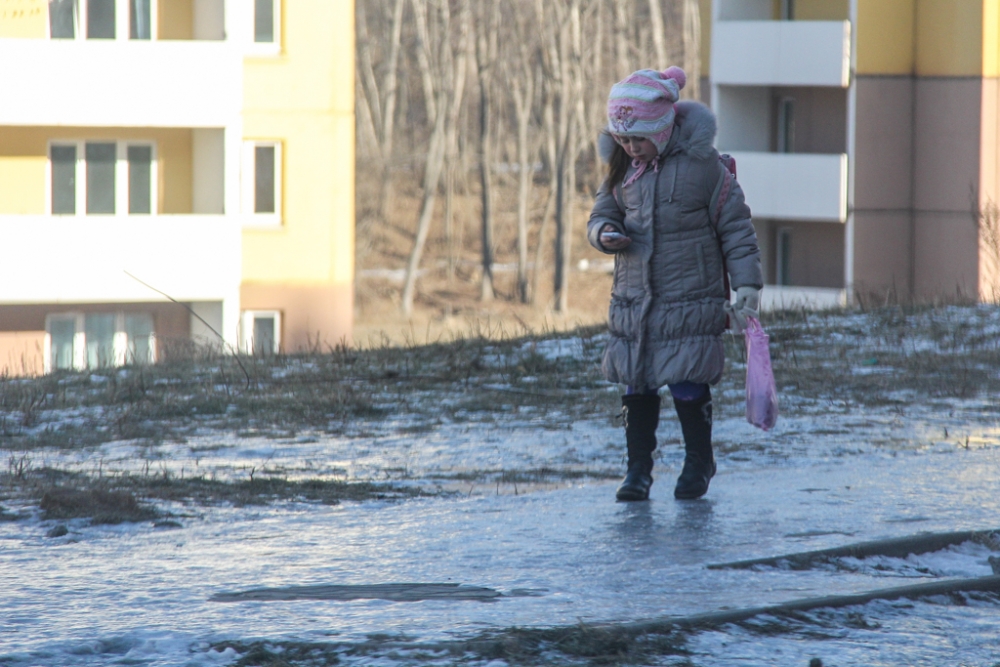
{"x": 781, "y": 53}
{"x": 794, "y": 186}
{"x": 120, "y": 83}
{"x": 102, "y": 259}
{"x": 780, "y": 297}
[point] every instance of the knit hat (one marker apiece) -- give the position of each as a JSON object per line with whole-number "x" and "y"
{"x": 642, "y": 105}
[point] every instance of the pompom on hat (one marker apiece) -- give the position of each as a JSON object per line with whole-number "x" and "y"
{"x": 642, "y": 105}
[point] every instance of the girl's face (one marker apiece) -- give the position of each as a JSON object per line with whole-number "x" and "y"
{"x": 638, "y": 147}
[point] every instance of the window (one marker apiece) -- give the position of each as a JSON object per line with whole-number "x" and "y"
{"x": 262, "y": 181}
{"x": 787, "y": 10}
{"x": 264, "y": 21}
{"x": 140, "y": 179}
{"x": 63, "y": 345}
{"x": 62, "y": 19}
{"x": 63, "y": 161}
{"x": 261, "y": 332}
{"x": 101, "y": 19}
{"x": 266, "y": 28}
{"x": 786, "y": 125}
{"x": 102, "y": 178}
{"x": 139, "y": 340}
{"x": 98, "y": 340}
{"x": 783, "y": 255}
{"x": 100, "y": 159}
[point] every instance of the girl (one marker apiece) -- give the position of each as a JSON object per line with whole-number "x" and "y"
{"x": 675, "y": 219}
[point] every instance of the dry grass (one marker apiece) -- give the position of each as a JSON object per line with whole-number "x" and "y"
{"x": 331, "y": 392}
{"x": 576, "y": 645}
{"x": 101, "y": 506}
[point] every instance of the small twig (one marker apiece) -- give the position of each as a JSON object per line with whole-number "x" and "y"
{"x": 235, "y": 352}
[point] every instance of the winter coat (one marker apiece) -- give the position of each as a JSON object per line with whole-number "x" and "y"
{"x": 667, "y": 302}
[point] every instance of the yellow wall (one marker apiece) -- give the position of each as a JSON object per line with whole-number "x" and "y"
{"x": 991, "y": 38}
{"x": 885, "y": 36}
{"x": 822, "y": 10}
{"x": 24, "y": 18}
{"x": 175, "y": 19}
{"x": 304, "y": 97}
{"x": 24, "y": 164}
{"x": 705, "y": 14}
{"x": 953, "y": 37}
{"x": 950, "y": 37}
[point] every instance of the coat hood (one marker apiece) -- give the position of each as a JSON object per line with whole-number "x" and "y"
{"x": 694, "y": 133}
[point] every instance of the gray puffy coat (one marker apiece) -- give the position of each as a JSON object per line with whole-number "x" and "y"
{"x": 667, "y": 303}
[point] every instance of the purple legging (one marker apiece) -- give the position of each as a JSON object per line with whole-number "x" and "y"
{"x": 682, "y": 391}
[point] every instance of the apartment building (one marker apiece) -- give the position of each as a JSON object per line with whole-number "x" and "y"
{"x": 865, "y": 133}
{"x": 173, "y": 172}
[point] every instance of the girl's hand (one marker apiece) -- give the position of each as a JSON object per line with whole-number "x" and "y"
{"x": 612, "y": 239}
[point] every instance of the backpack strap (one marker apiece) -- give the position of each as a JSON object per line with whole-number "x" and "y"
{"x": 729, "y": 162}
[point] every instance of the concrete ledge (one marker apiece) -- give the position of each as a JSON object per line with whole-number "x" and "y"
{"x": 894, "y": 548}
{"x": 989, "y": 584}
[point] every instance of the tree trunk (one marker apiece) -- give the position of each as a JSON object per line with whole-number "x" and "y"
{"x": 423, "y": 47}
{"x": 522, "y": 106}
{"x": 390, "y": 88}
{"x": 623, "y": 63}
{"x": 659, "y": 35}
{"x": 485, "y": 57}
{"x": 692, "y": 48}
{"x": 567, "y": 120}
{"x": 432, "y": 175}
{"x": 551, "y": 151}
{"x": 448, "y": 81}
{"x": 458, "y": 72}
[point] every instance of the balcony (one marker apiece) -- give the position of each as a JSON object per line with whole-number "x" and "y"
{"x": 109, "y": 83}
{"x": 794, "y": 186}
{"x": 87, "y": 259}
{"x": 783, "y": 297}
{"x": 781, "y": 53}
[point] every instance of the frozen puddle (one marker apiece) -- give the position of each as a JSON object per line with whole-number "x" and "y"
{"x": 135, "y": 594}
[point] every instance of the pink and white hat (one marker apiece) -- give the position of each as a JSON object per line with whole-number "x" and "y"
{"x": 642, "y": 105}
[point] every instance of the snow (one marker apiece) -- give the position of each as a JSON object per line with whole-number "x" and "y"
{"x": 829, "y": 474}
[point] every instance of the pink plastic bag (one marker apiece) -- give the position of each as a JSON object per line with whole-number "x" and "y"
{"x": 762, "y": 395}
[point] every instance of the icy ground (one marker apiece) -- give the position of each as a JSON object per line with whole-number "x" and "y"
{"x": 561, "y": 553}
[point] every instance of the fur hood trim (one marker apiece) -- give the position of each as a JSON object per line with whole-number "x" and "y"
{"x": 697, "y": 126}
{"x": 695, "y": 132}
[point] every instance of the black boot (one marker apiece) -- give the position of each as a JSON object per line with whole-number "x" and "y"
{"x": 641, "y": 414}
{"x": 699, "y": 463}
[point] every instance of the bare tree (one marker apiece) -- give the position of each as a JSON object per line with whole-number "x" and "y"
{"x": 442, "y": 72}
{"x": 659, "y": 34}
{"x": 379, "y": 98}
{"x": 623, "y": 63}
{"x": 541, "y": 101}
{"x": 569, "y": 47}
{"x": 486, "y": 54}
{"x": 520, "y": 80}
{"x": 692, "y": 48}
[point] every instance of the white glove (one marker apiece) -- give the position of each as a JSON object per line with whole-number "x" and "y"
{"x": 747, "y": 304}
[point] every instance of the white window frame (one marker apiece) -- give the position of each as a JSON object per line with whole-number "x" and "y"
{"x": 122, "y": 23}
{"x": 248, "y": 185}
{"x": 121, "y": 176}
{"x": 265, "y": 48}
{"x": 247, "y": 325}
{"x": 120, "y": 340}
